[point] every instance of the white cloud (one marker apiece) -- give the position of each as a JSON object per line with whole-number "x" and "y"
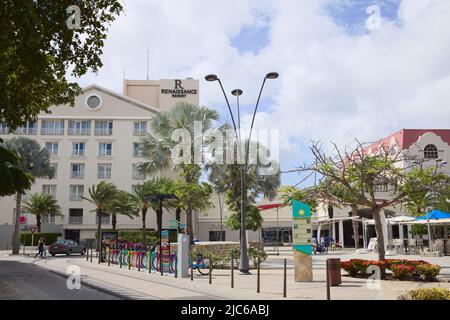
{"x": 332, "y": 86}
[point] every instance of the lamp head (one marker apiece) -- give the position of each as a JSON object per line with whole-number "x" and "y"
{"x": 272, "y": 75}
{"x": 211, "y": 77}
{"x": 236, "y": 92}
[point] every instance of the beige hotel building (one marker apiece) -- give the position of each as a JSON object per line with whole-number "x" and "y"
{"x": 95, "y": 140}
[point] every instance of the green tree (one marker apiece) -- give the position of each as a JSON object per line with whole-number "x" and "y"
{"x": 192, "y": 194}
{"x": 163, "y": 146}
{"x": 121, "y": 204}
{"x": 13, "y": 179}
{"x": 100, "y": 196}
{"x": 40, "y": 204}
{"x": 257, "y": 184}
{"x": 39, "y": 43}
{"x": 35, "y": 162}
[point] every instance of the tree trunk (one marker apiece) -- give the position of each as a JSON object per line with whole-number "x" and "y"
{"x": 189, "y": 229}
{"x": 16, "y": 233}
{"x": 144, "y": 227}
{"x": 38, "y": 222}
{"x": 355, "y": 226}
{"x": 99, "y": 230}
{"x": 379, "y": 230}
{"x": 114, "y": 221}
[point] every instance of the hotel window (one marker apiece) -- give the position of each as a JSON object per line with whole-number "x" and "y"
{"x": 49, "y": 189}
{"x": 137, "y": 151}
{"x": 52, "y": 127}
{"x": 431, "y": 152}
{"x": 140, "y": 128}
{"x": 135, "y": 174}
{"x": 76, "y": 192}
{"x": 4, "y": 129}
{"x": 105, "y": 149}
{"x": 30, "y": 128}
{"x": 79, "y": 127}
{"x": 77, "y": 170}
{"x": 103, "y": 127}
{"x": 104, "y": 171}
{"x": 75, "y": 216}
{"x": 52, "y": 148}
{"x": 78, "y": 149}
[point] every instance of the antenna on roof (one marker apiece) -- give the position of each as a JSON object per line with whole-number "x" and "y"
{"x": 148, "y": 57}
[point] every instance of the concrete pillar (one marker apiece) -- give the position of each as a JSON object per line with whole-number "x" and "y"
{"x": 319, "y": 229}
{"x": 409, "y": 236}
{"x": 341, "y": 233}
{"x": 333, "y": 230}
{"x": 401, "y": 235}
{"x": 384, "y": 226}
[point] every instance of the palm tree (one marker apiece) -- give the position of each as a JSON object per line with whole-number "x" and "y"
{"x": 158, "y": 144}
{"x": 40, "y": 204}
{"x": 100, "y": 195}
{"x": 34, "y": 161}
{"x": 124, "y": 204}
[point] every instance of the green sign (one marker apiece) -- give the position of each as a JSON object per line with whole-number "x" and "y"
{"x": 301, "y": 227}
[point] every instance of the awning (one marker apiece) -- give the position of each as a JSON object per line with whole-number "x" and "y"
{"x": 394, "y": 220}
{"x": 263, "y": 207}
{"x": 435, "y": 215}
{"x": 432, "y": 222}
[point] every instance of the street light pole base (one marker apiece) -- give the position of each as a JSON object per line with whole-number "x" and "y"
{"x": 245, "y": 272}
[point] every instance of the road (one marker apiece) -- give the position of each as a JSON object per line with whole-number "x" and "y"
{"x": 27, "y": 281}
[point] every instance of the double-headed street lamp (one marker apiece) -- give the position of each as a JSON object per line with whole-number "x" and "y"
{"x": 243, "y": 261}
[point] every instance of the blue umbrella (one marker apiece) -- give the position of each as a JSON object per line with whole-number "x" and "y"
{"x": 435, "y": 214}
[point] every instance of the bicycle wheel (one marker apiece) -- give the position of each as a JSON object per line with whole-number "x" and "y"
{"x": 173, "y": 264}
{"x": 155, "y": 262}
{"x": 203, "y": 266}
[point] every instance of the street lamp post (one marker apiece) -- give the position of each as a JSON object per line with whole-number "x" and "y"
{"x": 243, "y": 261}
{"x": 439, "y": 162}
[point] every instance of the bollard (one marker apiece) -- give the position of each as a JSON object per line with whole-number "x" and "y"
{"x": 192, "y": 272}
{"x": 258, "y": 277}
{"x": 91, "y": 254}
{"x": 129, "y": 261}
{"x": 176, "y": 268}
{"x": 328, "y": 280}
{"x": 139, "y": 261}
{"x": 161, "y": 263}
{"x": 120, "y": 259}
{"x": 109, "y": 257}
{"x": 87, "y": 254}
{"x": 284, "y": 280}
{"x": 210, "y": 270}
{"x": 232, "y": 272}
{"x": 149, "y": 262}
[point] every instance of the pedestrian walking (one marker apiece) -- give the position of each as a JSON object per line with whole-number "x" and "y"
{"x": 41, "y": 249}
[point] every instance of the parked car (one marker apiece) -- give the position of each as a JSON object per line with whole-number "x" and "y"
{"x": 66, "y": 247}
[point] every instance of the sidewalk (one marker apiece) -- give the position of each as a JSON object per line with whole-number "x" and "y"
{"x": 142, "y": 285}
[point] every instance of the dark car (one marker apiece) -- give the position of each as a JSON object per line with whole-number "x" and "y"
{"x": 66, "y": 247}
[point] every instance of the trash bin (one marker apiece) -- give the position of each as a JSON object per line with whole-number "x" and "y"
{"x": 334, "y": 271}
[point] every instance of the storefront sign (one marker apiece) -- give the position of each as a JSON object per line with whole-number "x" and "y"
{"x": 301, "y": 227}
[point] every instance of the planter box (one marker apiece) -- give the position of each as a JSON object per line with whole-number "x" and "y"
{"x": 431, "y": 254}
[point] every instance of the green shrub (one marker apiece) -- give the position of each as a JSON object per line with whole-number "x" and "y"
{"x": 234, "y": 253}
{"x": 136, "y": 236}
{"x": 427, "y": 294}
{"x": 254, "y": 254}
{"x": 429, "y": 272}
{"x": 48, "y": 237}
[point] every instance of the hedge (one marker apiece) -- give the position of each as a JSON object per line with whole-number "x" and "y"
{"x": 47, "y": 236}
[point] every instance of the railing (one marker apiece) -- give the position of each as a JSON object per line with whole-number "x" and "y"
{"x": 79, "y": 131}
{"x": 76, "y": 220}
{"x": 26, "y": 131}
{"x": 105, "y": 220}
{"x": 52, "y": 131}
{"x": 48, "y": 219}
{"x": 103, "y": 131}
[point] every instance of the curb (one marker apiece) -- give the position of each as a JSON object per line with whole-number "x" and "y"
{"x": 90, "y": 285}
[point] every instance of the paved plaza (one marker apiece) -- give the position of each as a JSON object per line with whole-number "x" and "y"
{"x": 124, "y": 283}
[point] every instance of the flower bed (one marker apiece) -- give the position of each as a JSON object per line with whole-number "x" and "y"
{"x": 400, "y": 269}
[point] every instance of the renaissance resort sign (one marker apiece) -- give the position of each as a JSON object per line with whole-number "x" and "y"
{"x": 179, "y": 90}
